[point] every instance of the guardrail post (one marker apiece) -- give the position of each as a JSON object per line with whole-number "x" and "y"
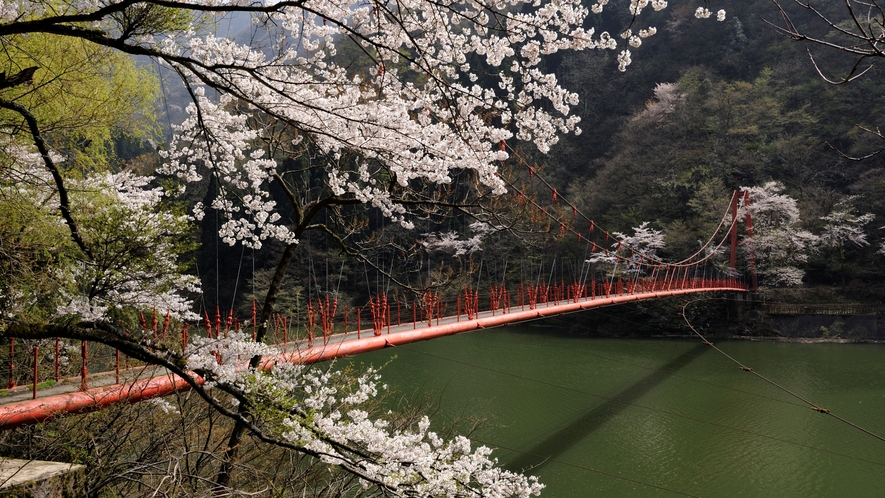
{"x": 84, "y": 350}
{"x": 11, "y": 383}
{"x": 36, "y": 356}
{"x": 57, "y": 359}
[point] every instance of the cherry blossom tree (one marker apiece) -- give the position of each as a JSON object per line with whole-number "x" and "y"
{"x": 843, "y": 229}
{"x": 630, "y": 251}
{"x": 780, "y": 244}
{"x": 667, "y": 99}
{"x": 852, "y": 29}
{"x": 135, "y": 245}
{"x": 844, "y": 226}
{"x": 417, "y": 122}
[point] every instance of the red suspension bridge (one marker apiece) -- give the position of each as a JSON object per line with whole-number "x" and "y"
{"x": 334, "y": 331}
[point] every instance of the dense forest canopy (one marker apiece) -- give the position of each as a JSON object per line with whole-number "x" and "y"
{"x": 712, "y": 107}
{"x": 725, "y": 106}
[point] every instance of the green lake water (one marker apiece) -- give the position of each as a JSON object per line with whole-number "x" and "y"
{"x": 658, "y": 417}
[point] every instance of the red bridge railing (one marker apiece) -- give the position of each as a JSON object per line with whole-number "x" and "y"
{"x": 328, "y": 331}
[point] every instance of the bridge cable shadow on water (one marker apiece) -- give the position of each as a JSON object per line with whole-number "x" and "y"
{"x": 563, "y": 439}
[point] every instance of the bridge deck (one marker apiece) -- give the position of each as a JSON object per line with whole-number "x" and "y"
{"x": 142, "y": 383}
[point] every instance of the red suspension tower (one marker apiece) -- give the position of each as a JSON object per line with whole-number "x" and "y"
{"x": 735, "y": 198}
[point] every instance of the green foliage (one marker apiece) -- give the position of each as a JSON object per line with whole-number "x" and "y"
{"x": 752, "y": 109}
{"x": 82, "y": 95}
{"x": 290, "y": 302}
{"x": 42, "y": 267}
{"x": 143, "y": 20}
{"x": 34, "y": 245}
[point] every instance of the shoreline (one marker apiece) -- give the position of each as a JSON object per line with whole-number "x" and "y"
{"x": 772, "y": 338}
{"x": 807, "y": 340}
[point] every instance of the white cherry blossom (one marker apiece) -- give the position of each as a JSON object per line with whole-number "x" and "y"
{"x": 327, "y": 413}
{"x": 703, "y": 13}
{"x": 406, "y": 119}
{"x": 779, "y": 244}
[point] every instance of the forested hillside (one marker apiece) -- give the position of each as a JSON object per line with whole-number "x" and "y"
{"x": 716, "y": 107}
{"x": 704, "y": 109}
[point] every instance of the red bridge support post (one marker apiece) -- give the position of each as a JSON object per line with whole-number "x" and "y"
{"x": 84, "y": 350}
{"x": 753, "y": 282}
{"x": 36, "y": 372}
{"x": 11, "y": 382}
{"x": 734, "y": 234}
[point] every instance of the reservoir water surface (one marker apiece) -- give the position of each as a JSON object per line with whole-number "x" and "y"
{"x": 657, "y": 417}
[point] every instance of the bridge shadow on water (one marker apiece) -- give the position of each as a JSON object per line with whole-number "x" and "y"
{"x": 560, "y": 441}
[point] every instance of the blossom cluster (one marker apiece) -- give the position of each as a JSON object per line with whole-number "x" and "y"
{"x": 632, "y": 250}
{"x": 327, "y": 412}
{"x": 417, "y": 117}
{"x": 223, "y": 359}
{"x": 635, "y": 40}
{"x": 215, "y": 137}
{"x": 333, "y": 420}
{"x": 780, "y": 245}
{"x": 131, "y": 238}
{"x": 452, "y": 242}
{"x": 705, "y": 13}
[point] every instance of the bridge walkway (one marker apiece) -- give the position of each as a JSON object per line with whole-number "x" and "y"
{"x": 21, "y": 406}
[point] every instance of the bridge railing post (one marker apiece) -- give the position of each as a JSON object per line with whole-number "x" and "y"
{"x": 84, "y": 350}
{"x": 36, "y": 371}
{"x": 11, "y": 382}
{"x": 57, "y": 359}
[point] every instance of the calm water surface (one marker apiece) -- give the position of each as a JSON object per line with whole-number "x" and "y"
{"x": 635, "y": 417}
